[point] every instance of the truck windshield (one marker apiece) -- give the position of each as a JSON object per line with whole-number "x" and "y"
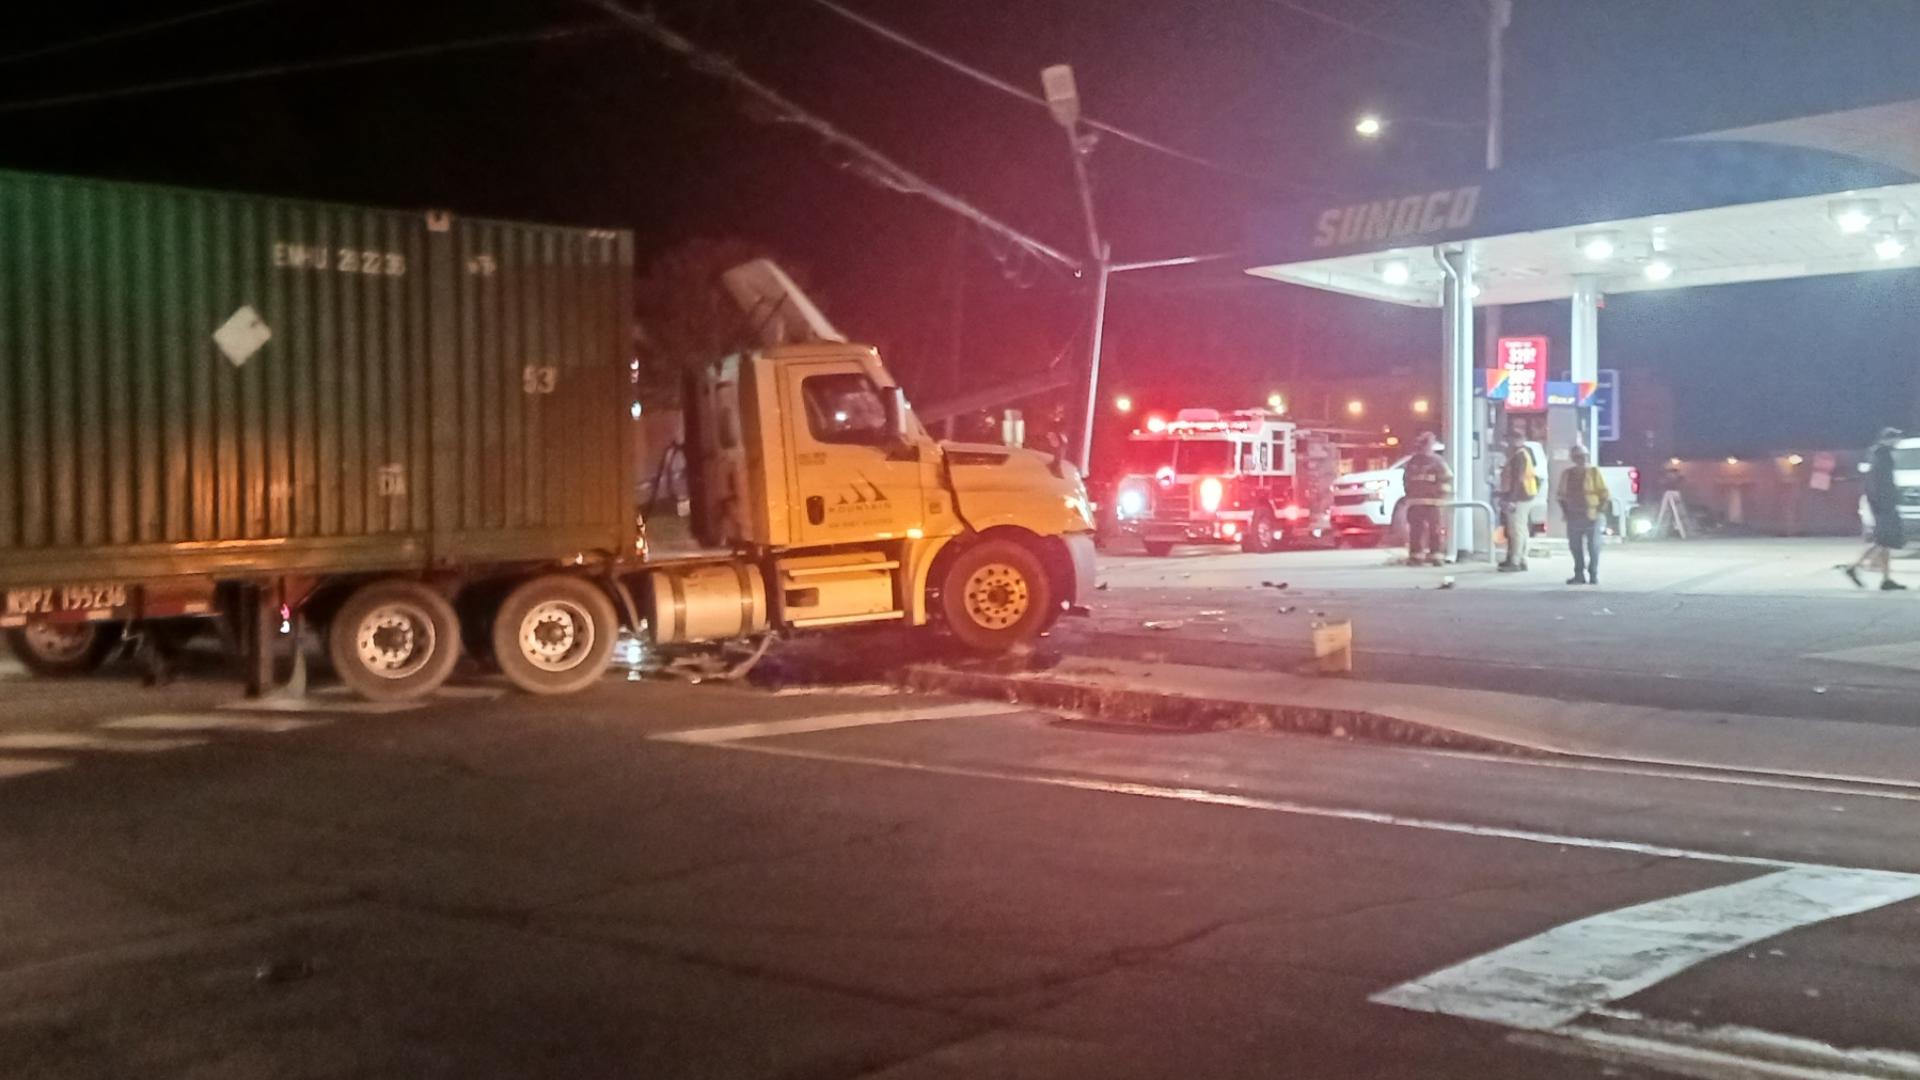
{"x": 1144, "y": 457}
{"x": 1205, "y": 457}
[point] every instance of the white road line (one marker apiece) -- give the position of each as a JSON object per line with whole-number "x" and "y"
{"x": 271, "y": 725}
{"x": 1556, "y": 977}
{"x": 731, "y": 733}
{"x": 1251, "y": 802}
{"x": 343, "y": 702}
{"x": 1725, "y": 1052}
{"x": 12, "y": 767}
{"x": 1815, "y": 783}
{"x": 1903, "y": 655}
{"x": 76, "y": 740}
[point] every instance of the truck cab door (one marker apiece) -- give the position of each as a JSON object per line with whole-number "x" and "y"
{"x": 853, "y": 478}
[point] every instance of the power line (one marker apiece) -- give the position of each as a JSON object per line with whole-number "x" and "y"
{"x": 127, "y": 32}
{"x": 275, "y": 71}
{"x": 1366, "y": 31}
{"x": 873, "y": 164}
{"x": 1005, "y": 87}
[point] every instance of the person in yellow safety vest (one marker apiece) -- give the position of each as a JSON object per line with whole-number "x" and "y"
{"x": 1582, "y": 494}
{"x": 1519, "y": 490}
{"x": 1426, "y": 477}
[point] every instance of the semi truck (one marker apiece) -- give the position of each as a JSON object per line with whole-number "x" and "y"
{"x": 414, "y": 432}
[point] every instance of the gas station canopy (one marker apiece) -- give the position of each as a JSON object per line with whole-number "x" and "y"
{"x": 1831, "y": 194}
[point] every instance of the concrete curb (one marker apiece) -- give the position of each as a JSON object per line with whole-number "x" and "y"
{"x": 1166, "y": 711}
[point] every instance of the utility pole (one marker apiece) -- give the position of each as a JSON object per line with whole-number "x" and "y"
{"x": 1063, "y": 100}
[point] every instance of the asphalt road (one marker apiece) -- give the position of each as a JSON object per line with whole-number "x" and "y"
{"x": 661, "y": 880}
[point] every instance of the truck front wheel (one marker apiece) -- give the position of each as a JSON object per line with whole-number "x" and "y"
{"x": 996, "y": 596}
{"x": 63, "y": 650}
{"x": 394, "y": 640}
{"x": 554, "y": 635}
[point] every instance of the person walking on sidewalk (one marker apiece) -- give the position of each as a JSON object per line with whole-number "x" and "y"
{"x": 1883, "y": 499}
{"x": 1428, "y": 481}
{"x": 1582, "y": 494}
{"x": 1519, "y": 489}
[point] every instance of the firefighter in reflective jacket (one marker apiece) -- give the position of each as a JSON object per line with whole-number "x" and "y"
{"x": 1426, "y": 478}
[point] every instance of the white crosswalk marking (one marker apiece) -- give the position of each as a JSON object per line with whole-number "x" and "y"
{"x": 809, "y": 724}
{"x": 272, "y": 725}
{"x": 76, "y": 740}
{"x": 26, "y": 766}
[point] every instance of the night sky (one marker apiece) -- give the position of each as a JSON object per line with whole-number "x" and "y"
{"x": 603, "y": 129}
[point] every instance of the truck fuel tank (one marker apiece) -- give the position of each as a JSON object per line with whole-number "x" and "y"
{"x": 707, "y": 602}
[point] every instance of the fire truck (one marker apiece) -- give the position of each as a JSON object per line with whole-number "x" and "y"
{"x": 1205, "y": 477}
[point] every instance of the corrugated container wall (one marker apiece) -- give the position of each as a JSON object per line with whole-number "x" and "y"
{"x": 194, "y": 382}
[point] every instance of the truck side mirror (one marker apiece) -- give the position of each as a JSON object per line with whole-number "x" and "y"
{"x": 896, "y": 406}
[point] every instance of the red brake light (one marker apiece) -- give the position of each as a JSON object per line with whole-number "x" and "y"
{"x": 1633, "y": 480}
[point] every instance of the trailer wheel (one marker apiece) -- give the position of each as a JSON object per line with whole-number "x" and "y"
{"x": 996, "y": 596}
{"x": 63, "y": 650}
{"x": 394, "y": 640}
{"x": 554, "y": 635}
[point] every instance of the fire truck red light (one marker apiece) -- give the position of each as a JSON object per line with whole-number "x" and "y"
{"x": 1156, "y": 424}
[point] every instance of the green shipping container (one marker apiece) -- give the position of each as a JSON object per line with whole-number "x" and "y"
{"x": 204, "y": 383}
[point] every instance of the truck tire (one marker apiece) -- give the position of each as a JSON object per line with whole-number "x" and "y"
{"x": 554, "y": 635}
{"x": 995, "y": 597}
{"x": 394, "y": 640}
{"x": 1159, "y": 549}
{"x": 1259, "y": 535}
{"x": 63, "y": 650}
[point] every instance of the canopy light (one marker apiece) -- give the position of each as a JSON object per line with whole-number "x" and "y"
{"x": 1394, "y": 271}
{"x": 1473, "y": 290}
{"x": 1853, "y": 215}
{"x": 1891, "y": 246}
{"x": 1596, "y": 246}
{"x": 1658, "y": 270}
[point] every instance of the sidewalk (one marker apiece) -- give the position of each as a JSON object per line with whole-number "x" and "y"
{"x": 1487, "y": 721}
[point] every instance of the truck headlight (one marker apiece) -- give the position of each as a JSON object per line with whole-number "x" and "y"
{"x": 1212, "y": 493}
{"x": 1132, "y": 502}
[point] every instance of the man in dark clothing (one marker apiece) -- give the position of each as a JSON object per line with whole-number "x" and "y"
{"x": 1883, "y": 499}
{"x": 1426, "y": 477}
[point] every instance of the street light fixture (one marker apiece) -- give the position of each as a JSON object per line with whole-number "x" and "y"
{"x": 1356, "y": 407}
{"x": 1421, "y": 406}
{"x": 1368, "y": 126}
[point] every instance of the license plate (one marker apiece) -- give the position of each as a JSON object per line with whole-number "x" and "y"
{"x": 65, "y": 599}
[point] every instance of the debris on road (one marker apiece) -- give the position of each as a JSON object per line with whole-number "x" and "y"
{"x": 285, "y": 969}
{"x": 1447, "y": 582}
{"x": 1214, "y": 612}
{"x": 1288, "y": 609}
{"x": 1102, "y": 587}
{"x": 1164, "y": 624}
{"x": 1273, "y": 585}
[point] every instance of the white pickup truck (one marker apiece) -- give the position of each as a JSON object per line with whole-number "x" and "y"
{"x": 1366, "y": 505}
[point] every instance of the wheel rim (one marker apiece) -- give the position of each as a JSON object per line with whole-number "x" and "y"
{"x": 997, "y": 596}
{"x": 394, "y": 641}
{"x": 1263, "y": 532}
{"x": 60, "y": 644}
{"x": 556, "y": 635}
